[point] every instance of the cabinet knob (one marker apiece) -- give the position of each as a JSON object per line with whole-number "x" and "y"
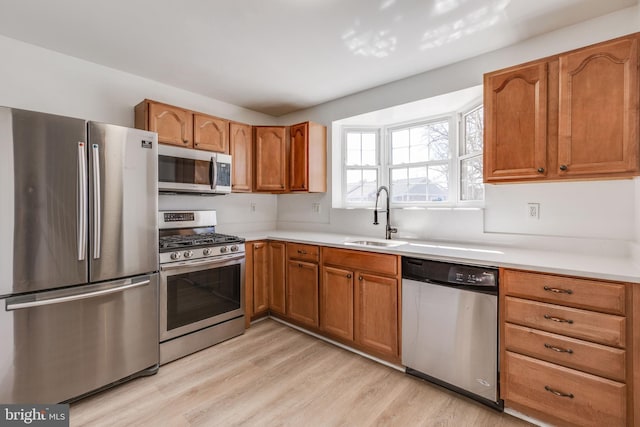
{"x": 349, "y": 276}
{"x": 360, "y": 278}
{"x": 300, "y": 265}
{"x": 563, "y": 167}
{"x": 186, "y": 141}
{"x": 540, "y": 170}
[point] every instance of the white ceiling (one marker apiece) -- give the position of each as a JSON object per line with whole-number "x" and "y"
{"x": 280, "y": 56}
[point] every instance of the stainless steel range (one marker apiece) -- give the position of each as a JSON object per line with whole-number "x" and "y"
{"x": 201, "y": 283}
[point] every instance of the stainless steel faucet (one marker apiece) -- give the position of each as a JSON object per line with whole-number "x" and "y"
{"x": 389, "y": 229}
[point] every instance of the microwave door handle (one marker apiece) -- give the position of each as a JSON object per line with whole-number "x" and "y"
{"x": 214, "y": 173}
{"x": 82, "y": 200}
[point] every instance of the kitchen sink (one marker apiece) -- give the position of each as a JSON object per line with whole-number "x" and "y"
{"x": 375, "y": 242}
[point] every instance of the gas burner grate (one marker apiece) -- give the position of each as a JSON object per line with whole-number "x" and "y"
{"x": 195, "y": 240}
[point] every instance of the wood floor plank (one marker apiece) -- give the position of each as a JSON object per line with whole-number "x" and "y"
{"x": 276, "y": 376}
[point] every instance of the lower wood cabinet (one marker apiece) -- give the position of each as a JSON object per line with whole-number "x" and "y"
{"x": 302, "y": 292}
{"x": 277, "y": 277}
{"x": 336, "y": 302}
{"x": 259, "y": 253}
{"x": 376, "y": 313}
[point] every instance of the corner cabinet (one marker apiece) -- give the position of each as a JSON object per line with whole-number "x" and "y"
{"x": 571, "y": 116}
{"x": 241, "y": 150}
{"x": 270, "y": 159}
{"x": 308, "y": 152}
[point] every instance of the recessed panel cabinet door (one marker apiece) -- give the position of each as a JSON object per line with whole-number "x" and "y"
{"x": 598, "y": 122}
{"x": 299, "y": 180}
{"x": 277, "y": 281}
{"x": 270, "y": 158}
{"x": 302, "y": 292}
{"x": 173, "y": 124}
{"x": 376, "y": 313}
{"x": 210, "y": 133}
{"x": 336, "y": 302}
{"x": 240, "y": 148}
{"x": 516, "y": 123}
{"x": 260, "y": 277}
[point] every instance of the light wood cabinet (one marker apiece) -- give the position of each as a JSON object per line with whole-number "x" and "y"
{"x": 564, "y": 348}
{"x": 210, "y": 133}
{"x": 270, "y": 159}
{"x": 570, "y": 116}
{"x": 174, "y": 125}
{"x": 362, "y": 287}
{"x": 241, "y": 150}
{"x": 277, "y": 277}
{"x": 336, "y": 302}
{"x": 182, "y": 127}
{"x": 308, "y": 154}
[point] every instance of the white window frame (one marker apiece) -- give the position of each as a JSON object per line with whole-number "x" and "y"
{"x": 461, "y": 143}
{"x": 345, "y": 167}
{"x": 384, "y": 166}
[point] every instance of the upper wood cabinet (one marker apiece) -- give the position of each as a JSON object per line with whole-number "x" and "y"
{"x": 270, "y": 155}
{"x": 574, "y": 115}
{"x": 515, "y": 131}
{"x": 241, "y": 150}
{"x": 308, "y": 149}
{"x": 210, "y": 133}
{"x": 181, "y": 127}
{"x": 174, "y": 125}
{"x": 598, "y": 121}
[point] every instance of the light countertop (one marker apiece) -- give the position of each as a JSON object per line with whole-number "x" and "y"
{"x": 592, "y": 266}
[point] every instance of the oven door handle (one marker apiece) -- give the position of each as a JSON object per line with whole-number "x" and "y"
{"x": 189, "y": 264}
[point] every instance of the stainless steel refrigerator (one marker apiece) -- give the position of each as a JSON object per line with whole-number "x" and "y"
{"x": 78, "y": 256}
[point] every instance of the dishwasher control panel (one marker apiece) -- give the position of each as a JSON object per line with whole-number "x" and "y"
{"x": 450, "y": 274}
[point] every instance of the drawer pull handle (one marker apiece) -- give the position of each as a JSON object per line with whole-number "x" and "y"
{"x": 558, "y": 393}
{"x": 558, "y": 290}
{"x": 302, "y": 252}
{"x": 558, "y": 319}
{"x": 558, "y": 349}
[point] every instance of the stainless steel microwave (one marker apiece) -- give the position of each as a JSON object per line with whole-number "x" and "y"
{"x": 183, "y": 170}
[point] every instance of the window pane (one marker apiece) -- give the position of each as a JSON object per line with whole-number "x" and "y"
{"x": 471, "y": 186}
{"x": 400, "y": 138}
{"x": 438, "y": 183}
{"x": 361, "y": 185}
{"x": 399, "y": 184}
{"x": 361, "y": 149}
{"x": 419, "y": 140}
{"x": 473, "y": 127}
{"x": 439, "y": 141}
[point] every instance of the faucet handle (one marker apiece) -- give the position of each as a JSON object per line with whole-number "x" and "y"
{"x": 393, "y": 230}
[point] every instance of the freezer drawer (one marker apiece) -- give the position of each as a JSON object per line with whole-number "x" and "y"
{"x": 61, "y": 344}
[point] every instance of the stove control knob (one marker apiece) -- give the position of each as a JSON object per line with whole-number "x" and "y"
{"x": 223, "y": 249}
{"x": 176, "y": 255}
{"x": 188, "y": 254}
{"x": 234, "y": 248}
{"x": 206, "y": 251}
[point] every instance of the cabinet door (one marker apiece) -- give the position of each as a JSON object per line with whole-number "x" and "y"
{"x": 598, "y": 122}
{"x": 173, "y": 124}
{"x": 240, "y": 148}
{"x": 277, "y": 282}
{"x": 516, "y": 124}
{"x": 299, "y": 178}
{"x": 260, "y": 277}
{"x": 376, "y": 313}
{"x": 210, "y": 133}
{"x": 302, "y": 292}
{"x": 336, "y": 302}
{"x": 270, "y": 158}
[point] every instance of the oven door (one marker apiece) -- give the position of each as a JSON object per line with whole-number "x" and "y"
{"x": 198, "y": 294}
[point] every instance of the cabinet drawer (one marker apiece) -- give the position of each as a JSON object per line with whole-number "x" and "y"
{"x": 303, "y": 252}
{"x": 588, "y": 325}
{"x": 596, "y": 359}
{"x": 585, "y": 400}
{"x": 580, "y": 293}
{"x": 359, "y": 260}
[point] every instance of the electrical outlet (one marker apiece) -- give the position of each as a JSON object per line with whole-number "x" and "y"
{"x": 252, "y": 207}
{"x": 533, "y": 210}
{"x": 315, "y": 208}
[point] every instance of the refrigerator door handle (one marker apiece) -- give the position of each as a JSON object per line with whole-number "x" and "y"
{"x": 30, "y": 304}
{"x": 97, "y": 208}
{"x": 214, "y": 173}
{"x": 82, "y": 200}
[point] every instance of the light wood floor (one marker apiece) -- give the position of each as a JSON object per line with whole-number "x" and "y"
{"x": 276, "y": 376}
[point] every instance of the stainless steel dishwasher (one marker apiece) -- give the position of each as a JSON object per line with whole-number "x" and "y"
{"x": 450, "y": 326}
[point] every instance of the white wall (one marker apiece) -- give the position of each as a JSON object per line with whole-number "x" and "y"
{"x": 583, "y": 216}
{"x": 38, "y": 79}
